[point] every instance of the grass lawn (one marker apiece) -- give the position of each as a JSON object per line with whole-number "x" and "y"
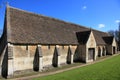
{"x": 105, "y": 70}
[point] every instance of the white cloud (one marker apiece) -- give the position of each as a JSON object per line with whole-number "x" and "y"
{"x": 117, "y": 21}
{"x": 84, "y": 7}
{"x": 101, "y": 25}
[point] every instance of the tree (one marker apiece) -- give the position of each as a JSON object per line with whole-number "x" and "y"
{"x": 116, "y": 34}
{"x": 111, "y": 32}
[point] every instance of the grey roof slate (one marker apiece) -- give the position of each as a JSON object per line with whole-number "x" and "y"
{"x": 30, "y": 28}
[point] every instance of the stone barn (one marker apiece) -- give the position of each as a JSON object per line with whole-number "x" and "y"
{"x": 87, "y": 46}
{"x": 35, "y": 42}
{"x": 111, "y": 44}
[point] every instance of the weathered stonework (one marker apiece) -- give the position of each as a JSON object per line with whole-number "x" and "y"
{"x": 112, "y": 49}
{"x": 10, "y": 60}
{"x": 40, "y": 59}
{"x": 24, "y": 55}
{"x": 63, "y": 54}
{"x": 101, "y": 51}
{"x": 47, "y": 51}
{"x": 69, "y": 55}
{"x": 91, "y": 44}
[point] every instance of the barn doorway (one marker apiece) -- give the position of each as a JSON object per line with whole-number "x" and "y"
{"x": 99, "y": 52}
{"x": 91, "y": 52}
{"x": 103, "y": 53}
{"x": 113, "y": 50}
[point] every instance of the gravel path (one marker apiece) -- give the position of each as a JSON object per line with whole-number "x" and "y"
{"x": 59, "y": 71}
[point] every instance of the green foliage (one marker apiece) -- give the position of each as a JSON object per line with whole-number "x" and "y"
{"x": 105, "y": 70}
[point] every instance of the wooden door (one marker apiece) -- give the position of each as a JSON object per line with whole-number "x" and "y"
{"x": 91, "y": 52}
{"x": 113, "y": 50}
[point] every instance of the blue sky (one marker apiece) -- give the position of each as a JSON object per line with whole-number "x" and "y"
{"x": 102, "y": 15}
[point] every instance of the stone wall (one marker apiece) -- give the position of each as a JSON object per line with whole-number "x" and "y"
{"x": 63, "y": 54}
{"x": 91, "y": 43}
{"x": 24, "y": 56}
{"x": 110, "y": 47}
{"x": 47, "y": 52}
{"x": 114, "y": 44}
{"x": 101, "y": 50}
{"x": 80, "y": 54}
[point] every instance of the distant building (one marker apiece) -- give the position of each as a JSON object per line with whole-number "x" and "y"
{"x": 34, "y": 42}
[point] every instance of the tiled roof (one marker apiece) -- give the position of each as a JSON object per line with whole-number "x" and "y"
{"x": 99, "y": 37}
{"x": 30, "y": 28}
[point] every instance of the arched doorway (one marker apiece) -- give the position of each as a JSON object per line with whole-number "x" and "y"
{"x": 113, "y": 50}
{"x": 104, "y": 51}
{"x": 99, "y": 52}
